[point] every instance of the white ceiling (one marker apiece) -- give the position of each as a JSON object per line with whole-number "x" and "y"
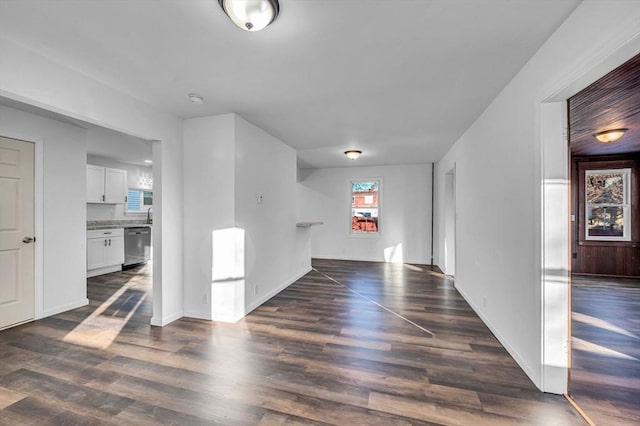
{"x": 401, "y": 79}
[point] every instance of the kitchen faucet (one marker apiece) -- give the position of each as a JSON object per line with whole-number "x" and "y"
{"x": 149, "y": 215}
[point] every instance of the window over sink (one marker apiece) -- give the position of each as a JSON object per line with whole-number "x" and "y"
{"x": 139, "y": 200}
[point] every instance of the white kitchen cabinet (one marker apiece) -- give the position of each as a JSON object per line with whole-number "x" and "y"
{"x": 96, "y": 253}
{"x": 115, "y": 252}
{"x": 106, "y": 185}
{"x": 105, "y": 251}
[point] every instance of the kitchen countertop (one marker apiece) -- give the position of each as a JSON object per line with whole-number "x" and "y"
{"x": 113, "y": 224}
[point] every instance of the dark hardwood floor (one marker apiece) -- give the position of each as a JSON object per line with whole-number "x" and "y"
{"x": 605, "y": 373}
{"x": 351, "y": 343}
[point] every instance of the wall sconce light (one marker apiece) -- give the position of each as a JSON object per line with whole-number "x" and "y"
{"x": 352, "y": 154}
{"x": 610, "y": 136}
{"x": 251, "y": 15}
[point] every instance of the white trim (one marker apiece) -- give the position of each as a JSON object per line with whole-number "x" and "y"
{"x": 39, "y": 228}
{"x": 161, "y": 322}
{"x": 64, "y": 308}
{"x": 103, "y": 270}
{"x": 424, "y": 262}
{"x": 554, "y": 245}
{"x": 203, "y": 315}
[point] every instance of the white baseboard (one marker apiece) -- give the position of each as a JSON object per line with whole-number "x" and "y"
{"x": 503, "y": 341}
{"x": 229, "y": 318}
{"x": 203, "y": 315}
{"x": 369, "y": 259}
{"x": 233, "y": 319}
{"x": 272, "y": 293}
{"x": 105, "y": 270}
{"x": 161, "y": 322}
{"x": 64, "y": 308}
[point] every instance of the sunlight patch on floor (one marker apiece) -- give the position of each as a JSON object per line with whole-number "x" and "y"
{"x": 600, "y": 323}
{"x": 412, "y": 267}
{"x": 583, "y": 345}
{"x": 99, "y": 330}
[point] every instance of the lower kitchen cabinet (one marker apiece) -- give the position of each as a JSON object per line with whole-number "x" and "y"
{"x": 105, "y": 251}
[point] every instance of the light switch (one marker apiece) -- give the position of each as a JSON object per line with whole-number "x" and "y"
{"x": 259, "y": 198}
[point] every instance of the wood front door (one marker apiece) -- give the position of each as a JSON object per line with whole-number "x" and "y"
{"x": 16, "y": 232}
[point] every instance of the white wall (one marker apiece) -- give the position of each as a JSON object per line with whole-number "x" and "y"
{"x": 118, "y": 146}
{"x": 276, "y": 251}
{"x": 63, "y": 200}
{"x": 498, "y": 163}
{"x": 405, "y": 215}
{"x": 134, "y": 174}
{"x": 209, "y": 181}
{"x": 31, "y": 78}
{"x": 227, "y": 163}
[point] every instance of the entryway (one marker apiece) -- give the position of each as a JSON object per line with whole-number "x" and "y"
{"x": 605, "y": 245}
{"x": 450, "y": 222}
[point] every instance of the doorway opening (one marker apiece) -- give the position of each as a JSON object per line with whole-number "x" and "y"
{"x": 605, "y": 248}
{"x": 450, "y": 222}
{"x": 119, "y": 227}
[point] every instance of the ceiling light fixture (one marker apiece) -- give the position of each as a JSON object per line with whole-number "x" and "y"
{"x": 195, "y": 99}
{"x": 610, "y": 136}
{"x": 352, "y": 154}
{"x": 251, "y": 15}
{"x": 148, "y": 161}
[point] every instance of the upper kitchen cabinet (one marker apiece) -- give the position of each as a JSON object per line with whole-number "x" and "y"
{"x": 106, "y": 185}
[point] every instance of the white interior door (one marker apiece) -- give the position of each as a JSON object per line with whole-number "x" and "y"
{"x": 16, "y": 232}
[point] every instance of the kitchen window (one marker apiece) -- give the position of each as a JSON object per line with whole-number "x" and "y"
{"x": 607, "y": 205}
{"x": 139, "y": 200}
{"x": 365, "y": 207}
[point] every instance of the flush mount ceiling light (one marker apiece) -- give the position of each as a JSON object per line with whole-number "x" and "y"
{"x": 251, "y": 15}
{"x": 610, "y": 136}
{"x": 148, "y": 161}
{"x": 352, "y": 154}
{"x": 196, "y": 99}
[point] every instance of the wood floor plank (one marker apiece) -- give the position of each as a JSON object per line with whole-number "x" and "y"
{"x": 434, "y": 412}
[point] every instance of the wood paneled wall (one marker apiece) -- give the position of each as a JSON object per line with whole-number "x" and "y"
{"x": 616, "y": 258}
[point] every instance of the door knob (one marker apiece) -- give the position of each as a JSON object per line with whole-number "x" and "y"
{"x": 28, "y": 240}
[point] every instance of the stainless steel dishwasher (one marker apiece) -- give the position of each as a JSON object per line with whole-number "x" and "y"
{"x": 137, "y": 245}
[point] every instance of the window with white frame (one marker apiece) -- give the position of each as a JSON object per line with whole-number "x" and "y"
{"x": 607, "y": 202}
{"x": 139, "y": 200}
{"x": 365, "y": 206}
